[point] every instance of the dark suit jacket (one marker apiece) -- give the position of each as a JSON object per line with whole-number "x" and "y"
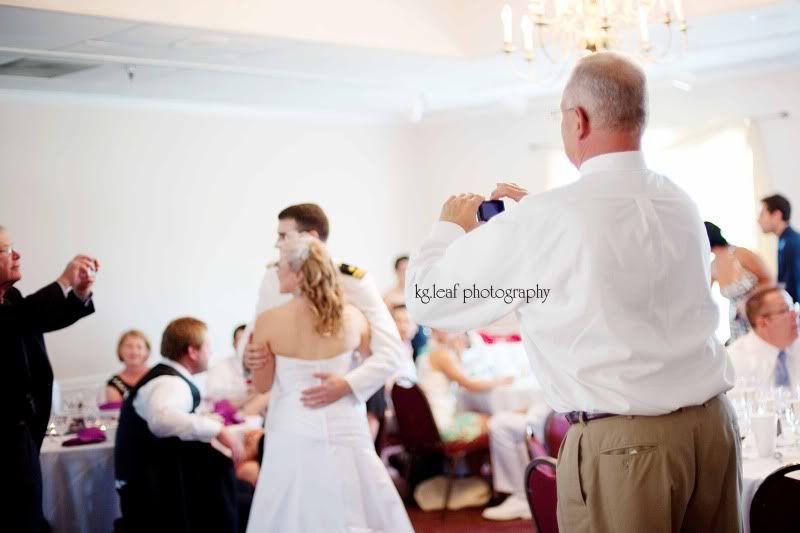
{"x": 28, "y": 385}
{"x": 26, "y": 394}
{"x": 789, "y": 262}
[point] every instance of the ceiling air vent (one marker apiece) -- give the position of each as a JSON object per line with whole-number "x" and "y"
{"x": 39, "y": 68}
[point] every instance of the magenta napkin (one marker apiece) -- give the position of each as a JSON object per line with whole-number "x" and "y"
{"x": 109, "y": 406}
{"x": 86, "y": 436}
{"x": 227, "y": 411}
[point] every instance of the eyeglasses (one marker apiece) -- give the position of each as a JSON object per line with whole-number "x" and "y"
{"x": 7, "y": 250}
{"x": 555, "y": 114}
{"x": 795, "y": 307}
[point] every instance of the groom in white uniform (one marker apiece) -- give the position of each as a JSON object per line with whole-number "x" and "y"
{"x": 361, "y": 291}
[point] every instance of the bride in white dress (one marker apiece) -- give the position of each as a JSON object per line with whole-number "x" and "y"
{"x": 320, "y": 472}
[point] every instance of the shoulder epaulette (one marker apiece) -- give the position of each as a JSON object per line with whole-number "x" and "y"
{"x": 350, "y": 270}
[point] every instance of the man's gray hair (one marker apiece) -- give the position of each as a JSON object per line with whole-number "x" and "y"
{"x": 612, "y": 90}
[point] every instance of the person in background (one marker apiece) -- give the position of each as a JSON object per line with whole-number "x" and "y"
{"x": 405, "y": 327}
{"x": 768, "y": 356}
{"x": 230, "y": 380}
{"x": 508, "y": 431}
{"x": 28, "y": 390}
{"x": 396, "y": 296}
{"x": 774, "y": 217}
{"x": 440, "y": 375}
{"x": 250, "y": 466}
{"x": 133, "y": 350}
{"x": 739, "y": 273}
{"x": 169, "y": 476}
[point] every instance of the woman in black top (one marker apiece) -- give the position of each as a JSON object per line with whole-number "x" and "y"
{"x": 133, "y": 350}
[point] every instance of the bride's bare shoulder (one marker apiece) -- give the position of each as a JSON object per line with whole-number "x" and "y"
{"x": 276, "y": 315}
{"x": 354, "y": 319}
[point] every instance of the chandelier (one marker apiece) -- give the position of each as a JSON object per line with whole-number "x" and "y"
{"x": 564, "y": 30}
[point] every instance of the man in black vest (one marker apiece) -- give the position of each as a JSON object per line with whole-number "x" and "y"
{"x": 27, "y": 388}
{"x": 168, "y": 475}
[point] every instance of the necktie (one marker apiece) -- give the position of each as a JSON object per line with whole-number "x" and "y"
{"x": 781, "y": 371}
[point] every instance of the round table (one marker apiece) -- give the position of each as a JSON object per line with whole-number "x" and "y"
{"x": 78, "y": 491}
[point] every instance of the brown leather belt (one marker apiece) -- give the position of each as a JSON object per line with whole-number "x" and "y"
{"x": 573, "y": 417}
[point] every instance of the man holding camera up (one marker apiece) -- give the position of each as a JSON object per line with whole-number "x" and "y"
{"x": 27, "y": 391}
{"x": 625, "y": 341}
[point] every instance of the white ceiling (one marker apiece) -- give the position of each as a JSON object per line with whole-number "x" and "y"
{"x": 455, "y": 63}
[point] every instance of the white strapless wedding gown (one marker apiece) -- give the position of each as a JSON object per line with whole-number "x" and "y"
{"x": 320, "y": 472}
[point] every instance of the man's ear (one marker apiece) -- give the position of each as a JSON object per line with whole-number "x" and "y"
{"x": 582, "y": 123}
{"x": 192, "y": 353}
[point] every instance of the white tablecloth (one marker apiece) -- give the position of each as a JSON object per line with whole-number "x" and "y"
{"x": 78, "y": 492}
{"x": 754, "y": 470}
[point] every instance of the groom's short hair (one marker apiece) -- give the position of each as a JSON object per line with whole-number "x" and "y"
{"x": 308, "y": 217}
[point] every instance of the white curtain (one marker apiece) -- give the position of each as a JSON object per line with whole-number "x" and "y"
{"x": 766, "y": 245}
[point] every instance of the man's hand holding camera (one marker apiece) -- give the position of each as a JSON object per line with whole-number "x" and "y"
{"x": 461, "y": 210}
{"x": 509, "y": 190}
{"x": 80, "y": 276}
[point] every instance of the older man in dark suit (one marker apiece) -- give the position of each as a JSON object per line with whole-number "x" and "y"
{"x": 26, "y": 391}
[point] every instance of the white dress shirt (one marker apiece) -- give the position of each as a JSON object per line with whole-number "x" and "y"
{"x": 628, "y": 324}
{"x": 165, "y": 403}
{"x": 754, "y": 360}
{"x": 385, "y": 344}
{"x": 226, "y": 381}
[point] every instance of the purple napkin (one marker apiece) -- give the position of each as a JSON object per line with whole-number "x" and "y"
{"x": 109, "y": 406}
{"x": 86, "y": 436}
{"x": 228, "y": 412}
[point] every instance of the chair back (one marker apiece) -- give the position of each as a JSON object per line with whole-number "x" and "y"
{"x": 555, "y": 429}
{"x": 415, "y": 423}
{"x": 775, "y": 504}
{"x": 540, "y": 486}
{"x": 535, "y": 448}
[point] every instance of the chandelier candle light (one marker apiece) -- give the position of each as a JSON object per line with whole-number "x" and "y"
{"x": 565, "y": 29}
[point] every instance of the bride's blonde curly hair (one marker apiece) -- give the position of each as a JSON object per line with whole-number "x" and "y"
{"x": 320, "y": 283}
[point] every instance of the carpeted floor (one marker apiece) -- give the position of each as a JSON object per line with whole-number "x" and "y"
{"x": 464, "y": 521}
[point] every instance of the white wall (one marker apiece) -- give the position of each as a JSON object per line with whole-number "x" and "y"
{"x": 469, "y": 151}
{"x": 180, "y": 203}
{"x": 180, "y": 206}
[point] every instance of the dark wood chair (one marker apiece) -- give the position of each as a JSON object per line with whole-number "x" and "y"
{"x": 419, "y": 435}
{"x": 776, "y": 504}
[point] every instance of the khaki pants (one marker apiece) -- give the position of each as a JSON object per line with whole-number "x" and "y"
{"x": 679, "y": 472}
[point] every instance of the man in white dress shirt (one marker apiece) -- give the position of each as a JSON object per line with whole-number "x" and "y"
{"x": 168, "y": 475}
{"x": 361, "y": 291}
{"x": 769, "y": 355}
{"x": 624, "y": 339}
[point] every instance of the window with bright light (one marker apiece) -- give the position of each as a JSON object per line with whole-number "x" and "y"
{"x": 715, "y": 168}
